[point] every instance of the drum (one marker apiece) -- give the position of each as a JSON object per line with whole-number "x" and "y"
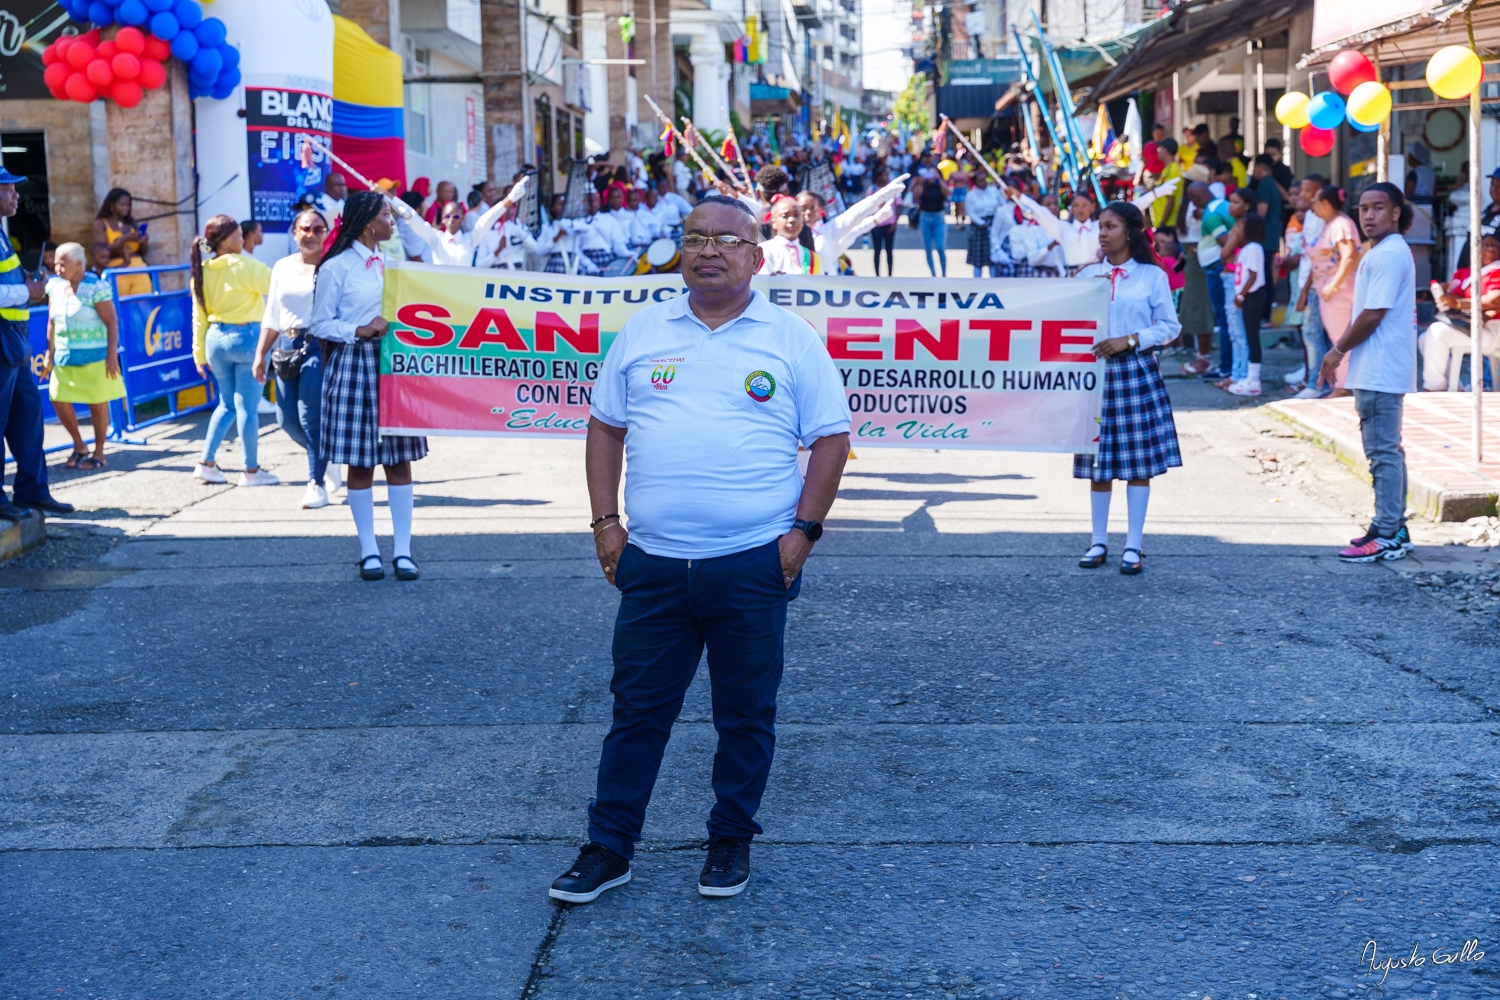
{"x": 619, "y": 267}
{"x": 664, "y": 255}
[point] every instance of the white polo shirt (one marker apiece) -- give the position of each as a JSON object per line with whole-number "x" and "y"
{"x": 713, "y": 420}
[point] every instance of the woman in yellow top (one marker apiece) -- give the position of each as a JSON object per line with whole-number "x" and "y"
{"x": 229, "y": 299}
{"x": 120, "y": 242}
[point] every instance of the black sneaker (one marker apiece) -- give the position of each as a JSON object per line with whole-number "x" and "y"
{"x": 595, "y": 869}
{"x": 727, "y": 870}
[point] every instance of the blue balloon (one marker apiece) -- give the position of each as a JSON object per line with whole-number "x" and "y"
{"x": 188, "y": 13}
{"x": 211, "y": 32}
{"x": 185, "y": 46}
{"x": 1326, "y": 110}
{"x": 1358, "y": 127}
{"x": 165, "y": 26}
{"x": 101, "y": 13}
{"x": 132, "y": 12}
{"x": 207, "y": 63}
{"x": 230, "y": 55}
{"x": 228, "y": 77}
{"x": 222, "y": 90}
{"x": 157, "y": 6}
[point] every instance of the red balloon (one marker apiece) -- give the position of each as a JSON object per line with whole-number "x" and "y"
{"x": 127, "y": 93}
{"x": 1317, "y": 141}
{"x": 156, "y": 49}
{"x": 131, "y": 39}
{"x": 126, "y": 66}
{"x": 57, "y": 75}
{"x": 106, "y": 49}
{"x": 60, "y": 47}
{"x": 80, "y": 54}
{"x": 100, "y": 73}
{"x": 1349, "y": 69}
{"x": 152, "y": 74}
{"x": 49, "y": 54}
{"x": 78, "y": 88}
{"x": 91, "y": 36}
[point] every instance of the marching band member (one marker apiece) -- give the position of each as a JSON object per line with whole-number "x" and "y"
{"x": 603, "y": 240}
{"x": 1137, "y": 435}
{"x": 560, "y": 238}
{"x": 786, "y": 252}
{"x": 668, "y": 207}
{"x": 452, "y": 246}
{"x": 645, "y": 222}
{"x": 506, "y": 246}
{"x": 1033, "y": 253}
{"x": 635, "y": 238}
{"x": 1079, "y": 237}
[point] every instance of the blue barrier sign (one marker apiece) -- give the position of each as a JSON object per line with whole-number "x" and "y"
{"x": 38, "y": 331}
{"x": 156, "y": 344}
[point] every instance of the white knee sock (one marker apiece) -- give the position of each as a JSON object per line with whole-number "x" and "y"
{"x": 1136, "y": 498}
{"x": 1254, "y": 376}
{"x": 400, "y": 499}
{"x": 1099, "y": 501}
{"x": 362, "y": 506}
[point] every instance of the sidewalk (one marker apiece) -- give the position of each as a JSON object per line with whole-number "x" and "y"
{"x": 1444, "y": 484}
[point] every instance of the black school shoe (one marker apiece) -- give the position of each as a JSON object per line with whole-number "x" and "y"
{"x": 371, "y": 568}
{"x": 595, "y": 869}
{"x": 727, "y": 870}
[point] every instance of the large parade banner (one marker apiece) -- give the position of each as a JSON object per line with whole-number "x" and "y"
{"x": 997, "y": 364}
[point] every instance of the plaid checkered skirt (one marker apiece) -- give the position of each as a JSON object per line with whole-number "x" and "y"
{"x": 979, "y": 244}
{"x": 1025, "y": 269}
{"x": 1137, "y": 436}
{"x": 602, "y": 258}
{"x": 351, "y": 413}
{"x": 555, "y": 264}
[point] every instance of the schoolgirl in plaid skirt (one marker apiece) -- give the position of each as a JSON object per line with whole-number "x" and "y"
{"x": 1137, "y": 435}
{"x": 347, "y": 294}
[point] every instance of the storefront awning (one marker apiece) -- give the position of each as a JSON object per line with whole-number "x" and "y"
{"x": 1402, "y": 30}
{"x": 1085, "y": 63}
{"x": 1191, "y": 33}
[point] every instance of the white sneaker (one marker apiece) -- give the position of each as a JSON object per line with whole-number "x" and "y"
{"x": 1245, "y": 387}
{"x": 334, "y": 477}
{"x": 265, "y": 407}
{"x": 259, "y": 477}
{"x": 1292, "y": 378}
{"x": 209, "y": 474}
{"x": 315, "y": 496}
{"x": 1311, "y": 392}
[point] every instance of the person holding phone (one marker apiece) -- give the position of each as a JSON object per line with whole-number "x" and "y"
{"x": 119, "y": 241}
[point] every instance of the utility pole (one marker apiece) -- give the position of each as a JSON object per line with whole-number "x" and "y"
{"x": 507, "y": 97}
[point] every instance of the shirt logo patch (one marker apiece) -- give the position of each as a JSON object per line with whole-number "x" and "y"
{"x": 760, "y": 386}
{"x": 662, "y": 376}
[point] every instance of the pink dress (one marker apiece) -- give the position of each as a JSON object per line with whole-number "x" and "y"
{"x": 1337, "y": 311}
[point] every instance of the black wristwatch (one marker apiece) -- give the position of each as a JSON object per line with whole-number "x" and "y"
{"x": 812, "y": 529}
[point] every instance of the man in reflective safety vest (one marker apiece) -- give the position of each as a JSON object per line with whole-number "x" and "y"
{"x": 20, "y": 401}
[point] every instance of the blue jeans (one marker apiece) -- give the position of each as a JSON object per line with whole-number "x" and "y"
{"x": 231, "y": 355}
{"x": 669, "y": 610}
{"x": 934, "y": 228}
{"x": 1239, "y": 359}
{"x": 299, "y": 404}
{"x": 1380, "y": 432}
{"x": 1213, "y": 274}
{"x": 1314, "y": 341}
{"x": 21, "y": 429}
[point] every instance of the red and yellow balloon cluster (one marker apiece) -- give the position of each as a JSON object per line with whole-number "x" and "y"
{"x": 1358, "y": 98}
{"x": 122, "y": 68}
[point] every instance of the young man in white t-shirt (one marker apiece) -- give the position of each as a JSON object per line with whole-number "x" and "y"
{"x": 1381, "y": 344}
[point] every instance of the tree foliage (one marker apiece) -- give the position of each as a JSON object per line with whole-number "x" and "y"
{"x": 911, "y": 105}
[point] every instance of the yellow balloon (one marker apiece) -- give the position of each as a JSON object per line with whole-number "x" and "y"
{"x": 1369, "y": 103}
{"x": 1454, "y": 72}
{"x": 1291, "y": 109}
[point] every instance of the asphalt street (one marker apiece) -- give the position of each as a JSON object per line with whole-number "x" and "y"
{"x": 230, "y": 769}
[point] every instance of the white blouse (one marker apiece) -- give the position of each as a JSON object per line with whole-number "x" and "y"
{"x": 1140, "y": 302}
{"x": 289, "y": 303}
{"x": 350, "y": 292}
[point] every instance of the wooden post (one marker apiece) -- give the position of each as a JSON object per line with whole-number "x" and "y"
{"x": 1476, "y": 315}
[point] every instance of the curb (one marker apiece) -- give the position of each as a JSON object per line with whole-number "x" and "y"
{"x": 1429, "y": 500}
{"x": 17, "y": 537}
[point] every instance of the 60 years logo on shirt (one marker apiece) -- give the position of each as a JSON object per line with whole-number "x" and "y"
{"x": 662, "y": 376}
{"x": 760, "y": 386}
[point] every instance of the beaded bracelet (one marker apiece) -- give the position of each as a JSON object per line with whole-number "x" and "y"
{"x": 602, "y": 518}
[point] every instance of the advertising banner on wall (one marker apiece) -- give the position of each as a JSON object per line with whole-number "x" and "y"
{"x": 286, "y": 132}
{"x": 926, "y": 363}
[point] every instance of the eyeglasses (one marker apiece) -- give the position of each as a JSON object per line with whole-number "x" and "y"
{"x": 695, "y": 243}
{"x": 313, "y": 229}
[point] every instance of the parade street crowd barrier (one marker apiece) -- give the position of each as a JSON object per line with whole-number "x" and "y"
{"x": 929, "y": 363}
{"x": 156, "y": 352}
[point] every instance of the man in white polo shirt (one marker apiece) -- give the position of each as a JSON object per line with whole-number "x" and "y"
{"x": 705, "y": 397}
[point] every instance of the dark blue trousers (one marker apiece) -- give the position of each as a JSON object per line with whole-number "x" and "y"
{"x": 670, "y": 609}
{"x": 21, "y": 427}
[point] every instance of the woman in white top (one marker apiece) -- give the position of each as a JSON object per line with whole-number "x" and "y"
{"x": 1249, "y": 301}
{"x": 1137, "y": 435}
{"x": 350, "y": 288}
{"x": 1078, "y": 238}
{"x": 450, "y": 245}
{"x": 283, "y": 328}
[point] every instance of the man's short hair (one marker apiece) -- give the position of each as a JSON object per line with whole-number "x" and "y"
{"x": 1200, "y": 129}
{"x": 1273, "y": 143}
{"x": 1317, "y": 179}
{"x": 1264, "y": 160}
{"x": 722, "y": 199}
{"x": 771, "y": 177}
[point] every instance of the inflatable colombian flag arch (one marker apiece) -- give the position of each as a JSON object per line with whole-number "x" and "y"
{"x": 367, "y": 105}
